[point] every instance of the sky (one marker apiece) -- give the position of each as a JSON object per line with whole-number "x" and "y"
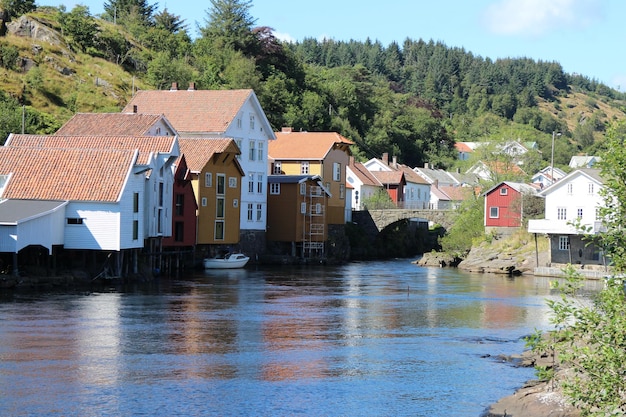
{"x": 585, "y": 36}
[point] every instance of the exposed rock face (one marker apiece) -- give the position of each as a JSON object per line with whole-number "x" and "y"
{"x": 27, "y": 27}
{"x": 486, "y": 258}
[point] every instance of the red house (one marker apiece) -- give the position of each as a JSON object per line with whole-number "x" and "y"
{"x": 504, "y": 208}
{"x": 394, "y": 182}
{"x": 184, "y": 209}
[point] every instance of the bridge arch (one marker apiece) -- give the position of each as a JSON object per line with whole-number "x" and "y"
{"x": 382, "y": 218}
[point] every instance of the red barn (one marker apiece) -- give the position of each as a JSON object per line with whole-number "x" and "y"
{"x": 504, "y": 206}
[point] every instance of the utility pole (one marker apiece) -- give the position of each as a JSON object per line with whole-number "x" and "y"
{"x": 554, "y": 134}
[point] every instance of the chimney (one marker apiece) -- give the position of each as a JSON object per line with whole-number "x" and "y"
{"x": 174, "y": 87}
{"x": 192, "y": 86}
{"x": 395, "y": 161}
{"x": 386, "y": 158}
{"x": 426, "y": 165}
{"x": 286, "y": 129}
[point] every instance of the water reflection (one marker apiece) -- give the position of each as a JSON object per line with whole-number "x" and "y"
{"x": 360, "y": 339}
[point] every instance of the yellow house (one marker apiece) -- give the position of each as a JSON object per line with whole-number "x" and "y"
{"x": 314, "y": 153}
{"x": 297, "y": 208}
{"x": 216, "y": 181}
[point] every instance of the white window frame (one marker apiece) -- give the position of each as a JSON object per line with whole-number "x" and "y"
{"x": 304, "y": 167}
{"x": 259, "y": 212}
{"x": 251, "y": 183}
{"x": 561, "y": 213}
{"x": 208, "y": 179}
{"x": 278, "y": 167}
{"x": 232, "y": 182}
{"x": 275, "y": 188}
{"x": 494, "y": 212}
{"x": 563, "y": 242}
{"x": 252, "y": 151}
{"x": 336, "y": 171}
{"x": 204, "y": 202}
{"x": 260, "y": 153}
{"x": 252, "y": 120}
{"x": 504, "y": 191}
{"x": 250, "y": 211}
{"x": 259, "y": 184}
{"x": 303, "y": 188}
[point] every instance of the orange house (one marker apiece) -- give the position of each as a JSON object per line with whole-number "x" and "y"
{"x": 216, "y": 181}
{"x": 326, "y": 154}
{"x": 297, "y": 207}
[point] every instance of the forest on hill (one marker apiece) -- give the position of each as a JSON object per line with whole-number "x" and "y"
{"x": 412, "y": 100}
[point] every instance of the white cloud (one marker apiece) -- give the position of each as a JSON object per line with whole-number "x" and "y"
{"x": 534, "y": 18}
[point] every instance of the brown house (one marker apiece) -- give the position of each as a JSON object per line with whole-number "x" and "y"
{"x": 326, "y": 154}
{"x": 184, "y": 208}
{"x": 297, "y": 214}
{"x": 216, "y": 181}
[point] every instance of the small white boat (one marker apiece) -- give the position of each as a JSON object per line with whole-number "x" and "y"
{"x": 228, "y": 261}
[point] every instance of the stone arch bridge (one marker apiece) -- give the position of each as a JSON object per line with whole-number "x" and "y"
{"x": 381, "y": 218}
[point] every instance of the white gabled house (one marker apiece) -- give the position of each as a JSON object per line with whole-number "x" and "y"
{"x": 573, "y": 199}
{"x": 98, "y": 189}
{"x": 222, "y": 114}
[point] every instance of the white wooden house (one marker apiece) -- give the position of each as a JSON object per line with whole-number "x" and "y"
{"x": 573, "y": 199}
{"x": 232, "y": 114}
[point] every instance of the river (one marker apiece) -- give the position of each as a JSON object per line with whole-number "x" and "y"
{"x": 382, "y": 338}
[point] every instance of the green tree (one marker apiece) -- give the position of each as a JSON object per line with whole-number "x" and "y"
{"x": 17, "y": 8}
{"x": 591, "y": 339}
{"x": 79, "y": 26}
{"x": 170, "y": 22}
{"x": 229, "y": 25}
{"x": 123, "y": 10}
{"x": 467, "y": 227}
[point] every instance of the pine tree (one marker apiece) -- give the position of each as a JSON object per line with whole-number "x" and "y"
{"x": 229, "y": 25}
{"x": 119, "y": 10}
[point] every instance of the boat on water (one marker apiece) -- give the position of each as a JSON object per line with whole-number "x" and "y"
{"x": 228, "y": 261}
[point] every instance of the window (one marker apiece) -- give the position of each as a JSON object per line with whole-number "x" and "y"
{"x": 135, "y": 202}
{"x": 494, "y": 212}
{"x": 590, "y": 188}
{"x": 232, "y": 182}
{"x": 180, "y": 200}
{"x": 208, "y": 179}
{"x": 135, "y": 229}
{"x": 304, "y": 168}
{"x": 221, "y": 184}
{"x": 302, "y": 208}
{"x": 219, "y": 208}
{"x": 336, "y": 171}
{"x": 342, "y": 191}
{"x": 260, "y": 152}
{"x": 239, "y": 124}
{"x": 74, "y": 220}
{"x": 238, "y": 141}
{"x": 259, "y": 184}
{"x": 204, "y": 201}
{"x": 277, "y": 169}
{"x": 570, "y": 188}
{"x": 259, "y": 212}
{"x": 563, "y": 242}
{"x": 561, "y": 213}
{"x": 219, "y": 230}
{"x": 179, "y": 229}
{"x": 303, "y": 188}
{"x": 252, "y": 122}
{"x": 161, "y": 192}
{"x": 504, "y": 191}
{"x": 251, "y": 182}
{"x": 251, "y": 151}
{"x": 275, "y": 188}
{"x": 250, "y": 208}
{"x": 579, "y": 213}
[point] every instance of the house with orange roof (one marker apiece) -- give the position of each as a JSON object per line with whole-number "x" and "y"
{"x": 117, "y": 124}
{"x": 232, "y": 114}
{"x": 297, "y": 205}
{"x": 98, "y": 191}
{"x": 156, "y": 158}
{"x": 363, "y": 182}
{"x": 315, "y": 153}
{"x": 464, "y": 150}
{"x": 216, "y": 178}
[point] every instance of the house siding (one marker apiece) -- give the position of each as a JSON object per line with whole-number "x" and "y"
{"x": 508, "y": 206}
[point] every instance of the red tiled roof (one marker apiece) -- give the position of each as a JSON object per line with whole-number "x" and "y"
{"x": 65, "y": 174}
{"x": 389, "y": 177}
{"x": 463, "y": 147}
{"x": 191, "y": 110}
{"x": 411, "y": 176}
{"x": 457, "y": 193}
{"x": 145, "y": 144}
{"x": 110, "y": 124}
{"x": 200, "y": 150}
{"x": 305, "y": 145}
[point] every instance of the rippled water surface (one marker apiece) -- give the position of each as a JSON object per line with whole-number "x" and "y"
{"x": 364, "y": 339}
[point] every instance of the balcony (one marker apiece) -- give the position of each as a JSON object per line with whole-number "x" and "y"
{"x": 562, "y": 227}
